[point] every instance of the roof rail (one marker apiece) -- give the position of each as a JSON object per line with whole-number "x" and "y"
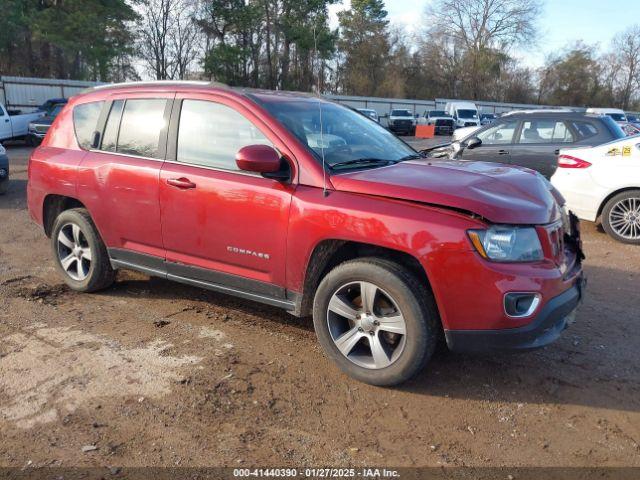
{"x": 202, "y": 83}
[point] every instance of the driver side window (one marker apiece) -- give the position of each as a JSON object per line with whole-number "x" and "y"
{"x": 499, "y": 134}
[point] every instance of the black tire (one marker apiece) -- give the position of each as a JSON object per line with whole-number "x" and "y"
{"x": 416, "y": 305}
{"x": 4, "y": 186}
{"x": 614, "y": 230}
{"x": 100, "y": 273}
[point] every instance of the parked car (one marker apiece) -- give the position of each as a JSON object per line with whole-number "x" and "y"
{"x": 463, "y": 132}
{"x": 443, "y": 122}
{"x": 603, "y": 183}
{"x": 38, "y": 128}
{"x": 15, "y": 125}
{"x": 533, "y": 140}
{"x": 402, "y": 121}
{"x": 630, "y": 129}
{"x": 4, "y": 171}
{"x": 51, "y": 103}
{"x": 632, "y": 118}
{"x": 617, "y": 114}
{"x": 220, "y": 188}
{"x": 487, "y": 118}
{"x": 369, "y": 113}
{"x": 465, "y": 114}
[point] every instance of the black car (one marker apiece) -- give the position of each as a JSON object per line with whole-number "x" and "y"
{"x": 533, "y": 139}
{"x": 39, "y": 128}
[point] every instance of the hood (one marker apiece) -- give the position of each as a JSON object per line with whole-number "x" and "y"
{"x": 499, "y": 193}
{"x": 46, "y": 120}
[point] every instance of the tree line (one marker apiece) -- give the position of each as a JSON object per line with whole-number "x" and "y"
{"x": 463, "y": 48}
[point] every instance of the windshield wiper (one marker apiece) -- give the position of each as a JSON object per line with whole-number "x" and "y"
{"x": 374, "y": 162}
{"x": 413, "y": 156}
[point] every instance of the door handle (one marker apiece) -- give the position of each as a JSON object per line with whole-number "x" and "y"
{"x": 503, "y": 152}
{"x": 181, "y": 182}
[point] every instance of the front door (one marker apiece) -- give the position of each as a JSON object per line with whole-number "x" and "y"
{"x": 496, "y": 143}
{"x": 221, "y": 225}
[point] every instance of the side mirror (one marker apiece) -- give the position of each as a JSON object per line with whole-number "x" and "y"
{"x": 472, "y": 143}
{"x": 262, "y": 159}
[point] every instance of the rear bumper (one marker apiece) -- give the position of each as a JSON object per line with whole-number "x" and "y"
{"x": 544, "y": 329}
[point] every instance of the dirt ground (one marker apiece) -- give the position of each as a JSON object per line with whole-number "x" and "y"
{"x": 151, "y": 372}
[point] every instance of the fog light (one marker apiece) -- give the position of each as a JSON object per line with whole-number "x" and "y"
{"x": 3, "y": 173}
{"x": 521, "y": 304}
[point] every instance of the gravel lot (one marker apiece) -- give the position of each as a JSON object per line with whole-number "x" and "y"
{"x": 155, "y": 373}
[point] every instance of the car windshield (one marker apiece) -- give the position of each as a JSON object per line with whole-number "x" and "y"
{"x": 438, "y": 113}
{"x": 618, "y": 117}
{"x": 467, "y": 113}
{"x": 55, "y": 111}
{"x": 401, "y": 113}
{"x": 346, "y": 136}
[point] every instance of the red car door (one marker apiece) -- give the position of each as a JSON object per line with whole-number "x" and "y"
{"x": 221, "y": 225}
{"x": 119, "y": 181}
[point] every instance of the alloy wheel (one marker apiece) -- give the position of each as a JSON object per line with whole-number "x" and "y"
{"x": 624, "y": 218}
{"x": 366, "y": 325}
{"x": 74, "y": 253}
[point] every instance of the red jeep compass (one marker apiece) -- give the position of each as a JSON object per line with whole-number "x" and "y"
{"x": 304, "y": 204}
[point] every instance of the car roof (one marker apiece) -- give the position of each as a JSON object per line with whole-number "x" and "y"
{"x": 548, "y": 114}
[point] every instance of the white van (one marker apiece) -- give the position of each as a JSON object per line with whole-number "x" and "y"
{"x": 617, "y": 114}
{"x": 465, "y": 114}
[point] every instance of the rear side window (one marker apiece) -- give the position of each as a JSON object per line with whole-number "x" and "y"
{"x": 140, "y": 127}
{"x": 210, "y": 134}
{"x": 545, "y": 131}
{"x": 85, "y": 122}
{"x": 110, "y": 137}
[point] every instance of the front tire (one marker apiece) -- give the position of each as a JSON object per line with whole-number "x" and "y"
{"x": 621, "y": 217}
{"x": 80, "y": 254}
{"x": 376, "y": 321}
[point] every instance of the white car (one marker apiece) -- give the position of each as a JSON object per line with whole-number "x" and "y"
{"x": 15, "y": 125}
{"x": 603, "y": 183}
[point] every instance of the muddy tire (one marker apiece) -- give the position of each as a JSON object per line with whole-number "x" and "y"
{"x": 376, "y": 321}
{"x": 621, "y": 217}
{"x": 79, "y": 253}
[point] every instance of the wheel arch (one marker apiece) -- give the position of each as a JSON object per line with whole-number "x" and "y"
{"x": 53, "y": 205}
{"x": 329, "y": 253}
{"x": 611, "y": 195}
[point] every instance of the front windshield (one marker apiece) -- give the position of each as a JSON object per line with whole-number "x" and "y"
{"x": 618, "y": 117}
{"x": 438, "y": 113}
{"x": 401, "y": 113}
{"x": 56, "y": 110}
{"x": 467, "y": 113}
{"x": 345, "y": 136}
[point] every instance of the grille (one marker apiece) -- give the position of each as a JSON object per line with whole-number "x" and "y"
{"x": 402, "y": 123}
{"x": 42, "y": 128}
{"x": 470, "y": 124}
{"x": 444, "y": 123}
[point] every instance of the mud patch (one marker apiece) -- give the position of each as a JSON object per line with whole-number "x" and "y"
{"x": 34, "y": 290}
{"x": 89, "y": 367}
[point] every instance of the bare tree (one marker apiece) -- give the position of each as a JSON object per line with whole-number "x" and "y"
{"x": 485, "y": 30}
{"x": 626, "y": 48}
{"x": 168, "y": 38}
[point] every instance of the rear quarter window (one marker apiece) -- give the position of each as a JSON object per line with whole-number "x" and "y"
{"x": 85, "y": 122}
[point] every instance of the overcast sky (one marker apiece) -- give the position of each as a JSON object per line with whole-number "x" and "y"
{"x": 562, "y": 22}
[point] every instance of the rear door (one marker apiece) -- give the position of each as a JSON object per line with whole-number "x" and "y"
{"x": 119, "y": 180}
{"x": 538, "y": 143}
{"x": 497, "y": 142}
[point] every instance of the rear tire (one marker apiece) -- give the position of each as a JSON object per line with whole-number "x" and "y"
{"x": 384, "y": 336}
{"x": 79, "y": 253}
{"x": 621, "y": 217}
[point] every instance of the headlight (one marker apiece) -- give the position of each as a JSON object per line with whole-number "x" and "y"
{"x": 507, "y": 244}
{"x": 32, "y": 127}
{"x": 2, "y": 150}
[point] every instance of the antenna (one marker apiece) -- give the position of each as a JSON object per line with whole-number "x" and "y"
{"x": 325, "y": 192}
